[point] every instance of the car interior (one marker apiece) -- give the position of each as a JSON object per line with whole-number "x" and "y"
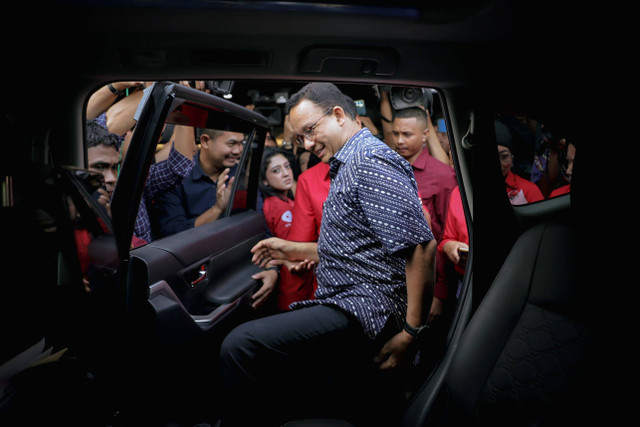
{"x": 137, "y": 343}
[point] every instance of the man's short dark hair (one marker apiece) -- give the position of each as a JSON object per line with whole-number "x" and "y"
{"x": 99, "y": 135}
{"x": 324, "y": 95}
{"x": 412, "y": 113}
{"x": 213, "y": 133}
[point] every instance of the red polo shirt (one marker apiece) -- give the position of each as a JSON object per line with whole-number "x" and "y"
{"x": 520, "y": 190}
{"x": 435, "y": 182}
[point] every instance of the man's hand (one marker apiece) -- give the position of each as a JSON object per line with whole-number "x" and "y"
{"x": 301, "y": 266}
{"x": 437, "y": 308}
{"x": 269, "y": 280}
{"x": 223, "y": 193}
{"x": 452, "y": 249}
{"x": 270, "y": 252}
{"x": 275, "y": 251}
{"x": 104, "y": 199}
{"x": 224, "y": 185}
{"x": 199, "y": 84}
{"x": 396, "y": 353}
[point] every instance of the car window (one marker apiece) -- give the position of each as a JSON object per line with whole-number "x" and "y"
{"x": 199, "y": 170}
{"x": 536, "y": 160}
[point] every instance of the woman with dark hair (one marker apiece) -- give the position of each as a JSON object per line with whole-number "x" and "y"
{"x": 276, "y": 181}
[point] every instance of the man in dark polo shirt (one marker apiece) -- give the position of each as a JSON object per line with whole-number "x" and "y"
{"x": 203, "y": 195}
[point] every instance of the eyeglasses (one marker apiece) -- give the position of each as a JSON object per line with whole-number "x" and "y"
{"x": 310, "y": 131}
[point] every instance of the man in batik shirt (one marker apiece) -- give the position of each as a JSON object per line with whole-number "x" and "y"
{"x": 375, "y": 272}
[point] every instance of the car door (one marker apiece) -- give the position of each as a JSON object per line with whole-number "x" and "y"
{"x": 178, "y": 295}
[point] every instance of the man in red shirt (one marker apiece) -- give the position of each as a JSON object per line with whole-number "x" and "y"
{"x": 311, "y": 192}
{"x": 435, "y": 181}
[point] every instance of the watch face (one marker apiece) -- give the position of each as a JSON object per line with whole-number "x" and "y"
{"x": 415, "y": 332}
{"x": 422, "y": 330}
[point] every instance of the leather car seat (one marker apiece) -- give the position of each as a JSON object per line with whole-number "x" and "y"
{"x": 522, "y": 357}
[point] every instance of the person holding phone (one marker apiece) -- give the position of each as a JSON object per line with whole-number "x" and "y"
{"x": 455, "y": 240}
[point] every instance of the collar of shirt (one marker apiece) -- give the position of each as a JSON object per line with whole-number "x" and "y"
{"x": 421, "y": 161}
{"x": 511, "y": 180}
{"x": 198, "y": 173}
{"x": 346, "y": 151}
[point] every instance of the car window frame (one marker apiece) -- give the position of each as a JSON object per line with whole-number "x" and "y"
{"x": 163, "y": 98}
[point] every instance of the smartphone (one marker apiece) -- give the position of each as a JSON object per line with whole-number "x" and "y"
{"x": 361, "y": 108}
{"x": 463, "y": 251}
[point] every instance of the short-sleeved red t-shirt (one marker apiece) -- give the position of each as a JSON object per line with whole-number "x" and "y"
{"x": 278, "y": 214}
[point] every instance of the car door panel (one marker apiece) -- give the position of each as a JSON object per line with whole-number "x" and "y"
{"x": 197, "y": 277}
{"x": 182, "y": 286}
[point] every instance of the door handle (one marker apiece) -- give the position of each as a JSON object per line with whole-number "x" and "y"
{"x": 197, "y": 276}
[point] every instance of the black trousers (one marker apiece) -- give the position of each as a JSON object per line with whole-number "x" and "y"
{"x": 311, "y": 362}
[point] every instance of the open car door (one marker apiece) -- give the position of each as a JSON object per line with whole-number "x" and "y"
{"x": 179, "y": 295}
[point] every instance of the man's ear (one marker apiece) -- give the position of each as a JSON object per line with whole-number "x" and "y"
{"x": 340, "y": 114}
{"x": 204, "y": 140}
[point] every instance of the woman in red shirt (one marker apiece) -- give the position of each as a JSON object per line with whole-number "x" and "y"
{"x": 455, "y": 240}
{"x": 276, "y": 181}
{"x": 519, "y": 189}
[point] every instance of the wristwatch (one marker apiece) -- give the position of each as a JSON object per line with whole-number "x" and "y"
{"x": 415, "y": 332}
{"x": 114, "y": 90}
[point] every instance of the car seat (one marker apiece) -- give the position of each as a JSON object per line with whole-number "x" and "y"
{"x": 529, "y": 354}
{"x": 522, "y": 357}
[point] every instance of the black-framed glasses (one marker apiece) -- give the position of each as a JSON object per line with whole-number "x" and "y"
{"x": 310, "y": 131}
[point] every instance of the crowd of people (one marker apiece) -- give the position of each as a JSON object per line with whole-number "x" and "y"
{"x": 368, "y": 234}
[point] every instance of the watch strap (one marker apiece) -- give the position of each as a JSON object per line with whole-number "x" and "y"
{"x": 414, "y": 332}
{"x": 113, "y": 89}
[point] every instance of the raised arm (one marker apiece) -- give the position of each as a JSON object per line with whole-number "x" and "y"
{"x": 433, "y": 142}
{"x": 103, "y": 98}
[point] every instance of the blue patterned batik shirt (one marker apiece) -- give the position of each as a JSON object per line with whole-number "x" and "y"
{"x": 372, "y": 213}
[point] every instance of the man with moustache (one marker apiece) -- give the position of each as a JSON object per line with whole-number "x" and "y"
{"x": 204, "y": 194}
{"x": 436, "y": 180}
{"x": 374, "y": 256}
